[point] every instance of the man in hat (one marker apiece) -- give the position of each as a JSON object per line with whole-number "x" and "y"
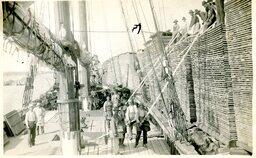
{"x": 184, "y": 26}
{"x": 115, "y": 98}
{"x": 130, "y": 116}
{"x": 40, "y": 114}
{"x": 30, "y": 121}
{"x": 108, "y": 112}
{"x": 210, "y": 11}
{"x": 194, "y": 26}
{"x": 143, "y": 125}
{"x": 117, "y": 129}
{"x": 175, "y": 31}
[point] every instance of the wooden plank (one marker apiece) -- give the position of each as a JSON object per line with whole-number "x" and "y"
{"x": 150, "y": 144}
{"x": 164, "y": 146}
{"x": 156, "y": 146}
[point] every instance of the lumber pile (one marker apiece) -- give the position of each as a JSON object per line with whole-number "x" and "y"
{"x": 239, "y": 42}
{"x": 212, "y": 85}
{"x": 120, "y": 70}
{"x": 183, "y": 78}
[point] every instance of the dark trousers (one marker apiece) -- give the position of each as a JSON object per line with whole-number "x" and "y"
{"x": 31, "y": 133}
{"x": 145, "y": 136}
{"x": 38, "y": 128}
{"x": 121, "y": 140}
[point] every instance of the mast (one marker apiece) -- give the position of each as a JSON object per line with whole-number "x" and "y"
{"x": 68, "y": 97}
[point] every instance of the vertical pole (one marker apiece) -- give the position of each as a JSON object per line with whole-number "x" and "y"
{"x": 68, "y": 102}
{"x": 80, "y": 11}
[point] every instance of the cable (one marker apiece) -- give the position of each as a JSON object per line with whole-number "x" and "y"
{"x": 164, "y": 15}
{"x": 109, "y": 42}
{"x": 144, "y": 15}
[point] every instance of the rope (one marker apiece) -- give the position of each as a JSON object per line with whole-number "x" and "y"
{"x": 112, "y": 59}
{"x": 143, "y": 14}
{"x": 164, "y": 15}
{"x": 156, "y": 61}
{"x": 158, "y": 84}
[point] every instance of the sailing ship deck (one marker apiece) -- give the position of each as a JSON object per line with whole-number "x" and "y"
{"x": 93, "y": 146}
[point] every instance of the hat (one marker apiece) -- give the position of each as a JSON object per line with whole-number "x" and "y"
{"x": 175, "y": 21}
{"x": 197, "y": 11}
{"x": 191, "y": 11}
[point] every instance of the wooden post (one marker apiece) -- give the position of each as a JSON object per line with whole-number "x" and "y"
{"x": 68, "y": 98}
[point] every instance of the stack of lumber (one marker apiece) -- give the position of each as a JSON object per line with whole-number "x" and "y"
{"x": 183, "y": 78}
{"x": 120, "y": 70}
{"x": 239, "y": 41}
{"x": 211, "y": 76}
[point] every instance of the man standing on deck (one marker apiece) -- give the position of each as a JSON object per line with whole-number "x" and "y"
{"x": 143, "y": 125}
{"x": 115, "y": 99}
{"x": 108, "y": 112}
{"x": 130, "y": 117}
{"x": 30, "y": 121}
{"x": 40, "y": 113}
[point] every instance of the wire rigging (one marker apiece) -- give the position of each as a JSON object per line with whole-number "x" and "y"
{"x": 109, "y": 43}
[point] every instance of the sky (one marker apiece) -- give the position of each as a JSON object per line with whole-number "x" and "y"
{"x": 106, "y": 28}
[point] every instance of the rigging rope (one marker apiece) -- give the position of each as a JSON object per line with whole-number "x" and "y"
{"x": 109, "y": 43}
{"x": 150, "y": 59}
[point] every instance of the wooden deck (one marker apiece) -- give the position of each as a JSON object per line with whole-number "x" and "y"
{"x": 96, "y": 146}
{"x": 93, "y": 146}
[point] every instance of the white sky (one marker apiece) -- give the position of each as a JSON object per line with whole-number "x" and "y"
{"x": 106, "y": 15}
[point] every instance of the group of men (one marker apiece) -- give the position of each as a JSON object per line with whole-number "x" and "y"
{"x": 121, "y": 116}
{"x": 214, "y": 11}
{"x": 34, "y": 121}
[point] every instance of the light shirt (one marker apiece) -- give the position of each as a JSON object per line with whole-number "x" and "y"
{"x": 40, "y": 113}
{"x": 131, "y": 111}
{"x": 141, "y": 113}
{"x": 115, "y": 99}
{"x": 85, "y": 104}
{"x": 176, "y": 28}
{"x": 184, "y": 27}
{"x": 30, "y": 116}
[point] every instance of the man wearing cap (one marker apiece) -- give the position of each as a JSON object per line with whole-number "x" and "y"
{"x": 30, "y": 121}
{"x": 40, "y": 114}
{"x": 175, "y": 31}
